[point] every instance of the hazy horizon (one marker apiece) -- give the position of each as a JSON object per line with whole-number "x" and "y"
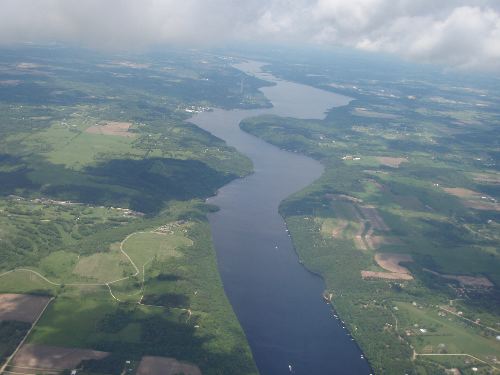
{"x": 457, "y": 34}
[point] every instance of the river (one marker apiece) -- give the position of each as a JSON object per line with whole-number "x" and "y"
{"x": 277, "y": 301}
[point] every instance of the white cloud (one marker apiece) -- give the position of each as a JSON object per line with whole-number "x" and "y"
{"x": 459, "y": 33}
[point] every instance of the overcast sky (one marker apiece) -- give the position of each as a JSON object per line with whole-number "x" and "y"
{"x": 456, "y": 33}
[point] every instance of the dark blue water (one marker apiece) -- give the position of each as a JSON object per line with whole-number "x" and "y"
{"x": 278, "y": 302}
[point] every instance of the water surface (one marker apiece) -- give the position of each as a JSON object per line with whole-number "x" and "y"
{"x": 278, "y": 302}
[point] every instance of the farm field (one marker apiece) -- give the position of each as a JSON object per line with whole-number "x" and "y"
{"x": 45, "y": 359}
{"x": 434, "y": 331}
{"x": 12, "y": 333}
{"x": 167, "y": 366}
{"x": 21, "y": 308}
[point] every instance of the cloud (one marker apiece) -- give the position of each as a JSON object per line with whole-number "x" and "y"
{"x": 457, "y": 33}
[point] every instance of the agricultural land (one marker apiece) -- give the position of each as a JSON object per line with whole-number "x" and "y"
{"x": 404, "y": 225}
{"x": 106, "y": 260}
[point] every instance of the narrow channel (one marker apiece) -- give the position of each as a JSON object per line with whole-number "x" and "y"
{"x": 278, "y": 302}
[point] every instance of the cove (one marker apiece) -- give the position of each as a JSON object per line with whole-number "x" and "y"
{"x": 277, "y": 300}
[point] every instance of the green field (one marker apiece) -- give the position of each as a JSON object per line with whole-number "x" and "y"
{"x": 104, "y": 267}
{"x": 446, "y": 334}
{"x": 68, "y": 144}
{"x": 144, "y": 248}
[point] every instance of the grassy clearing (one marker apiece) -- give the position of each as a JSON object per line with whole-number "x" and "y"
{"x": 57, "y": 266}
{"x": 25, "y": 282}
{"x": 69, "y": 144}
{"x": 145, "y": 247}
{"x": 104, "y": 267}
{"x": 445, "y": 334}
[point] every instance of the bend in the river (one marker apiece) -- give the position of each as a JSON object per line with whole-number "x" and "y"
{"x": 278, "y": 302}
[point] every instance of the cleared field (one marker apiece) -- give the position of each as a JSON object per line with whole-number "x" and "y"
{"x": 165, "y": 366}
{"x": 371, "y": 214}
{"x": 473, "y": 199}
{"x": 390, "y": 161}
{"x": 338, "y": 231}
{"x": 354, "y": 222}
{"x": 462, "y": 192}
{"x": 445, "y": 334}
{"x": 365, "y": 220}
{"x": 51, "y": 357}
{"x": 21, "y": 307}
{"x": 391, "y": 262}
{"x": 364, "y": 112}
{"x": 57, "y": 266}
{"x": 385, "y": 275}
{"x": 488, "y": 178}
{"x": 72, "y": 146}
{"x": 375, "y": 242}
{"x": 334, "y": 228}
{"x": 24, "y": 282}
{"x": 144, "y": 246}
{"x": 104, "y": 267}
{"x": 120, "y": 129}
{"x": 359, "y": 237}
{"x": 471, "y": 281}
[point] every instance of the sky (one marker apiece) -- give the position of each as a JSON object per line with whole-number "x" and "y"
{"x": 463, "y": 34}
